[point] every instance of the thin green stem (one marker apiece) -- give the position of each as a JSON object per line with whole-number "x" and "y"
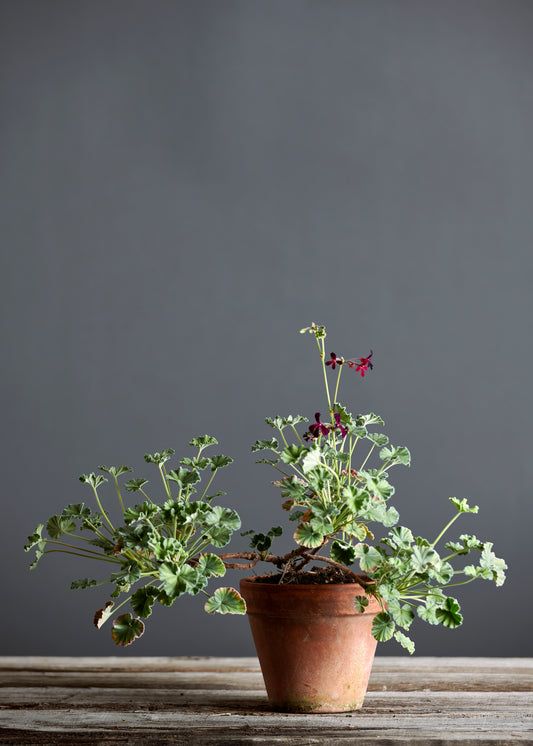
{"x": 79, "y": 554}
{"x": 446, "y": 527}
{"x": 102, "y": 510}
{"x": 336, "y": 390}
{"x": 296, "y": 433}
{"x": 369, "y": 454}
{"x": 119, "y": 495}
{"x": 208, "y": 484}
{"x": 321, "y": 352}
{"x": 163, "y": 473}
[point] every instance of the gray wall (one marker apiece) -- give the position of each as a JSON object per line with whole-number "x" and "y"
{"x": 184, "y": 185}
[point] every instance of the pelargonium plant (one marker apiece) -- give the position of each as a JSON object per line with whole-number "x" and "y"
{"x": 334, "y": 483}
{"x": 337, "y": 498}
{"x": 163, "y": 550}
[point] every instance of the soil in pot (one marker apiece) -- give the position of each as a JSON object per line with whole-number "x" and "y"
{"x": 314, "y": 645}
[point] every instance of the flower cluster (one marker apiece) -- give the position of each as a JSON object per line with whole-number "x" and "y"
{"x": 319, "y": 428}
{"x": 361, "y": 364}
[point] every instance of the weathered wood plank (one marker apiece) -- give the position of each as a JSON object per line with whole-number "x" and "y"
{"x": 394, "y": 673}
{"x": 103, "y": 701}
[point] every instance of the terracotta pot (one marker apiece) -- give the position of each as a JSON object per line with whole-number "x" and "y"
{"x": 315, "y": 648}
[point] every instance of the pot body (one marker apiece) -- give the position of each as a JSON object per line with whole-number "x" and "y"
{"x": 315, "y": 648}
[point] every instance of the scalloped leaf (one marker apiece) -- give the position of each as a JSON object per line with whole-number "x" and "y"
{"x": 225, "y": 601}
{"x": 306, "y": 536}
{"x": 369, "y": 557}
{"x": 211, "y": 565}
{"x": 405, "y": 641}
{"x": 143, "y": 599}
{"x": 383, "y": 627}
{"x": 203, "y": 441}
{"x": 57, "y": 526}
{"x": 265, "y": 445}
{"x": 218, "y": 462}
{"x": 126, "y": 629}
{"x": 135, "y": 484}
{"x": 159, "y": 457}
{"x": 360, "y": 603}
{"x": 82, "y": 583}
{"x": 102, "y": 615}
{"x": 463, "y": 506}
{"x": 448, "y": 613}
{"x": 35, "y": 538}
{"x": 115, "y": 471}
{"x": 342, "y": 552}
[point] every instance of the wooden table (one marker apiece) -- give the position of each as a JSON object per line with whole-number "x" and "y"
{"x": 222, "y": 701}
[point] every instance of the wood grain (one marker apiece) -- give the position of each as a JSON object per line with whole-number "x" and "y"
{"x": 222, "y": 701}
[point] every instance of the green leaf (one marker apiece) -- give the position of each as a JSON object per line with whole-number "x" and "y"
{"x": 462, "y": 506}
{"x": 269, "y": 461}
{"x": 226, "y": 601}
{"x": 138, "y": 512}
{"x": 82, "y": 583}
{"x": 401, "y": 537}
{"x": 57, "y": 526}
{"x": 218, "y": 462}
{"x": 428, "y": 612}
{"x": 169, "y": 575}
{"x": 493, "y": 564}
{"x": 465, "y": 544}
{"x": 405, "y": 641}
{"x": 135, "y": 484}
{"x": 159, "y": 458}
{"x": 399, "y": 455}
{"x": 218, "y": 535}
{"x": 76, "y": 510}
{"x": 379, "y": 439}
{"x": 143, "y": 599}
{"x": 368, "y": 419}
{"x": 358, "y": 431}
{"x": 115, "y": 471}
{"x": 102, "y": 615}
{"x": 423, "y": 556}
{"x": 126, "y": 629}
{"x": 383, "y": 627}
{"x": 224, "y": 517}
{"x": 264, "y": 445}
{"x": 443, "y": 573}
{"x": 402, "y": 615}
{"x": 166, "y": 548}
{"x": 369, "y": 557}
{"x": 203, "y": 441}
{"x": 130, "y": 573}
{"x": 196, "y": 463}
{"x": 94, "y": 480}
{"x": 342, "y": 552}
{"x": 306, "y": 536}
{"x": 35, "y": 538}
{"x": 184, "y": 477}
{"x": 448, "y": 613}
{"x": 211, "y": 564}
{"x": 360, "y": 603}
{"x": 292, "y": 453}
{"x": 377, "y": 486}
{"x": 311, "y": 460}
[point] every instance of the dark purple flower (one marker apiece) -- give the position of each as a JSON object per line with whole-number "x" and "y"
{"x": 338, "y": 423}
{"x": 334, "y": 360}
{"x": 317, "y": 428}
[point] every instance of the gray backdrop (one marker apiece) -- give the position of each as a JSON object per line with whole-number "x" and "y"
{"x": 185, "y": 185}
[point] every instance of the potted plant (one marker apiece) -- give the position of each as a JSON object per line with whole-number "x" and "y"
{"x": 315, "y": 626}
